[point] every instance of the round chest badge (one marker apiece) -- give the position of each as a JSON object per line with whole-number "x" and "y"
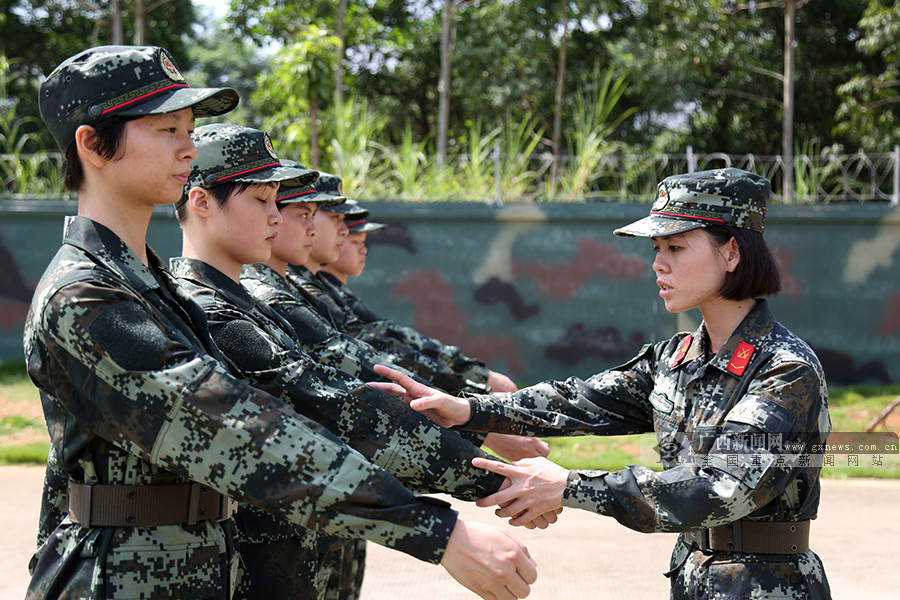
{"x": 169, "y": 68}
{"x": 268, "y": 143}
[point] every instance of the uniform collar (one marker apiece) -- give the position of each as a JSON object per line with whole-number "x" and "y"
{"x": 208, "y": 276}
{"x": 746, "y": 341}
{"x": 103, "y": 245}
{"x": 734, "y": 356}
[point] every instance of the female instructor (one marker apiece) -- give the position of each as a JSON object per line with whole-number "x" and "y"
{"x": 737, "y": 407}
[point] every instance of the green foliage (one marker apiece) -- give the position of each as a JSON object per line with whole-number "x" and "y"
{"x": 869, "y": 110}
{"x": 27, "y": 454}
{"x": 300, "y": 77}
{"x": 595, "y": 120}
{"x": 354, "y": 131}
{"x": 21, "y": 170}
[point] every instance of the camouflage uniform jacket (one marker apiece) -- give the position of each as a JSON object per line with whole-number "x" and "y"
{"x": 763, "y": 381}
{"x": 316, "y": 334}
{"x": 133, "y": 394}
{"x": 440, "y": 375}
{"x": 473, "y": 369}
{"x": 259, "y": 345}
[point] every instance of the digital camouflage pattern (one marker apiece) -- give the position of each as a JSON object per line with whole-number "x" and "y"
{"x": 315, "y": 334}
{"x": 128, "y": 81}
{"x": 133, "y": 393}
{"x": 259, "y": 344}
{"x": 689, "y": 201}
{"x": 697, "y": 403}
{"x": 328, "y": 189}
{"x": 290, "y": 193}
{"x": 260, "y": 348}
{"x": 447, "y": 354}
{"x": 305, "y": 284}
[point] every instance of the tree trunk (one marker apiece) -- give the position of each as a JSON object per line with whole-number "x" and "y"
{"x": 560, "y": 87}
{"x": 787, "y": 123}
{"x": 339, "y": 66}
{"x": 140, "y": 23}
{"x": 448, "y": 35}
{"x": 117, "y": 37}
{"x": 315, "y": 155}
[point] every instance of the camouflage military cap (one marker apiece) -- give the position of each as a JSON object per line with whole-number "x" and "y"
{"x": 290, "y": 192}
{"x": 130, "y": 81}
{"x": 351, "y": 210}
{"x": 721, "y": 196}
{"x": 356, "y": 220}
{"x": 328, "y": 187}
{"x": 232, "y": 153}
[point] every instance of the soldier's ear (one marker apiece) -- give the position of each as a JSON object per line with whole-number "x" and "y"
{"x": 200, "y": 202}
{"x": 86, "y": 144}
{"x": 731, "y": 252}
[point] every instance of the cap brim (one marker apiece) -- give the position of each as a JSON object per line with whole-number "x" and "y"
{"x": 367, "y": 227}
{"x": 206, "y": 102}
{"x": 656, "y": 226}
{"x": 293, "y": 196}
{"x": 343, "y": 207}
{"x": 293, "y": 176}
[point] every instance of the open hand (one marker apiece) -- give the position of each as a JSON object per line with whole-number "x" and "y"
{"x": 536, "y": 487}
{"x": 440, "y": 407}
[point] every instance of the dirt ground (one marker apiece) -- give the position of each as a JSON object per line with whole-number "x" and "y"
{"x": 583, "y": 556}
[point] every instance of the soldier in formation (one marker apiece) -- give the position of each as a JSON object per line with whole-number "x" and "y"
{"x": 229, "y": 217}
{"x": 152, "y": 438}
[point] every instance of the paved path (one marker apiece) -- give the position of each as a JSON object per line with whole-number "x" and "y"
{"x": 584, "y": 556}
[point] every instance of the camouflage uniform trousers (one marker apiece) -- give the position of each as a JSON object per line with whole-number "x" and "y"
{"x": 326, "y": 568}
{"x": 738, "y": 575}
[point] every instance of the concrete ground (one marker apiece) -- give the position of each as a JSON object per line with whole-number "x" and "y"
{"x": 583, "y": 556}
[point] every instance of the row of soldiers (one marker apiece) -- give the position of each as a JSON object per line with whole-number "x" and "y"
{"x": 172, "y": 391}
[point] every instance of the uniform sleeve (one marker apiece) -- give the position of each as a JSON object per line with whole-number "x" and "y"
{"x": 733, "y": 475}
{"x": 381, "y": 427}
{"x": 611, "y": 403}
{"x": 134, "y": 380}
{"x": 451, "y": 356}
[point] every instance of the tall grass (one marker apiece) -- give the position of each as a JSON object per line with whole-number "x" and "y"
{"x": 22, "y": 172}
{"x": 595, "y": 117}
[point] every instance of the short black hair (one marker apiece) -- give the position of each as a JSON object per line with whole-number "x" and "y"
{"x": 109, "y": 134}
{"x": 757, "y": 274}
{"x": 220, "y": 193}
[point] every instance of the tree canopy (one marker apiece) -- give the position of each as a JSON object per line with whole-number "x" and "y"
{"x": 705, "y": 74}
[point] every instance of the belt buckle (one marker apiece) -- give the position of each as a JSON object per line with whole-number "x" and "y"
{"x": 227, "y": 508}
{"x": 700, "y": 539}
{"x": 703, "y": 541}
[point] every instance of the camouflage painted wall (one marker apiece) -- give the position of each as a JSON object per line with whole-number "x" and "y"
{"x": 546, "y": 291}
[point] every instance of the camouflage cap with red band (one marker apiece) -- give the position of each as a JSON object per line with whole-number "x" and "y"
{"x": 291, "y": 193}
{"x": 355, "y": 218}
{"x": 717, "y": 197}
{"x": 131, "y": 81}
{"x": 233, "y": 153}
